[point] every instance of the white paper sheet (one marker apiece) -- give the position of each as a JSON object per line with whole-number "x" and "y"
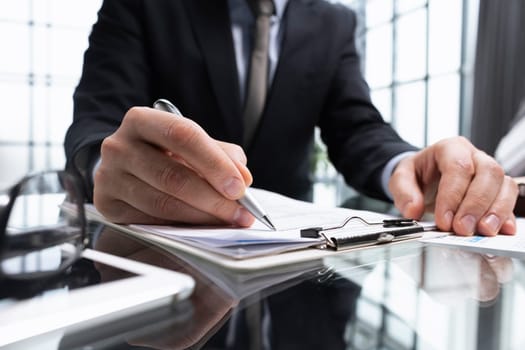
{"x": 288, "y": 215}
{"x": 497, "y": 245}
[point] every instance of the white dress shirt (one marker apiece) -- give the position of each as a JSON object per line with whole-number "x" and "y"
{"x": 243, "y": 22}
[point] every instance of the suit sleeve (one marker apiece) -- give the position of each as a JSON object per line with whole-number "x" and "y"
{"x": 114, "y": 78}
{"x": 359, "y": 142}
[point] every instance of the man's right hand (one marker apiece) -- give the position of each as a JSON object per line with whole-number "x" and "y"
{"x": 160, "y": 168}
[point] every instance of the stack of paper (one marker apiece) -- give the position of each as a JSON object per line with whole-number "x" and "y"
{"x": 288, "y": 215}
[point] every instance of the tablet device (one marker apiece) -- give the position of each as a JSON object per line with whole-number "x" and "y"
{"x": 126, "y": 288}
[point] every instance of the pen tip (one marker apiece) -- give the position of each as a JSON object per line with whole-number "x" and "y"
{"x": 266, "y": 220}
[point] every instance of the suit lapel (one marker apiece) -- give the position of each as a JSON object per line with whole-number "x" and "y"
{"x": 298, "y": 29}
{"x": 300, "y": 26}
{"x": 210, "y": 19}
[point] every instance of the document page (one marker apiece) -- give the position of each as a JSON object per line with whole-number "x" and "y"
{"x": 498, "y": 245}
{"x": 288, "y": 215}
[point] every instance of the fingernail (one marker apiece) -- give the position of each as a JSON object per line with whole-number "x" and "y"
{"x": 469, "y": 223}
{"x": 492, "y": 222}
{"x": 449, "y": 216}
{"x": 233, "y": 187}
{"x": 242, "y": 217}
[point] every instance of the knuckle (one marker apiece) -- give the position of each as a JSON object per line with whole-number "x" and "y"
{"x": 171, "y": 130}
{"x": 111, "y": 147}
{"x": 174, "y": 180}
{"x": 165, "y": 205}
{"x": 133, "y": 119}
{"x": 461, "y": 165}
{"x": 111, "y": 209}
{"x": 185, "y": 134}
{"x": 463, "y": 139}
{"x": 495, "y": 170}
{"x": 101, "y": 176}
{"x": 513, "y": 185}
{"x": 219, "y": 206}
{"x": 239, "y": 153}
{"x": 441, "y": 143}
{"x": 133, "y": 114}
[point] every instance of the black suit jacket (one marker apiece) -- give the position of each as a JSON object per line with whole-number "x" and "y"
{"x": 183, "y": 50}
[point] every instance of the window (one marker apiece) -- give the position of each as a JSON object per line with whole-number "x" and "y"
{"x": 43, "y": 43}
{"x": 413, "y": 52}
{"x": 416, "y": 68}
{"x": 417, "y": 59}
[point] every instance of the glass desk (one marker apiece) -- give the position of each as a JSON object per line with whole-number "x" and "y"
{"x": 403, "y": 296}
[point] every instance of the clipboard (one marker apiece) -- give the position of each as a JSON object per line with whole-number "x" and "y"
{"x": 342, "y": 237}
{"x": 249, "y": 265}
{"x": 266, "y": 248}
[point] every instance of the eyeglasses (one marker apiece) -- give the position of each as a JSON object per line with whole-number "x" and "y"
{"x": 42, "y": 225}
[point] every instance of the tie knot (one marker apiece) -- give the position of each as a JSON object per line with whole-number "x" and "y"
{"x": 262, "y": 7}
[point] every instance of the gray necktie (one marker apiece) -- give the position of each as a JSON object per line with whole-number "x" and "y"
{"x": 258, "y": 75}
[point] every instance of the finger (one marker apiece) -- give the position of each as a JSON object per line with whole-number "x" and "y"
{"x": 236, "y": 153}
{"x": 457, "y": 168}
{"x": 130, "y": 200}
{"x": 176, "y": 184}
{"x": 489, "y": 286}
{"x": 189, "y": 141}
{"x": 112, "y": 191}
{"x": 121, "y": 212}
{"x": 502, "y": 266}
{"x": 480, "y": 196}
{"x": 405, "y": 190}
{"x": 509, "y": 226}
{"x": 105, "y": 200}
{"x": 500, "y": 211}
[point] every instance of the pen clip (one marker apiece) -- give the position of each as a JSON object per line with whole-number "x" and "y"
{"x": 164, "y": 105}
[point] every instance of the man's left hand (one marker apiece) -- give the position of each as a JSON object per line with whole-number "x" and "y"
{"x": 466, "y": 189}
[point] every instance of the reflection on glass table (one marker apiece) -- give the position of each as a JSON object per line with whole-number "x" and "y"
{"x": 437, "y": 298}
{"x": 222, "y": 299}
{"x": 38, "y": 239}
{"x": 50, "y": 279}
{"x": 404, "y": 296}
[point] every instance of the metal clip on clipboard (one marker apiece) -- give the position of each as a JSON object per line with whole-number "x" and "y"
{"x": 389, "y": 230}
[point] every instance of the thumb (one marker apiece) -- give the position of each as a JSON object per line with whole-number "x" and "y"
{"x": 406, "y": 192}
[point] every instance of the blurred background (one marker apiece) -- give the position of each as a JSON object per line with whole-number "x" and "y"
{"x": 418, "y": 56}
{"x": 42, "y": 43}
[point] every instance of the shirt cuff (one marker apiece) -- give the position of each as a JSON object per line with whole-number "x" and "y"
{"x": 389, "y": 168}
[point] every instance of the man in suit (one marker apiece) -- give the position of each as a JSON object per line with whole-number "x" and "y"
{"x": 155, "y": 167}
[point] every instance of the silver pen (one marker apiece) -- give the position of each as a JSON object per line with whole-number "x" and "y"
{"x": 248, "y": 201}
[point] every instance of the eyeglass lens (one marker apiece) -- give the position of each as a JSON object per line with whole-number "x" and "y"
{"x": 40, "y": 235}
